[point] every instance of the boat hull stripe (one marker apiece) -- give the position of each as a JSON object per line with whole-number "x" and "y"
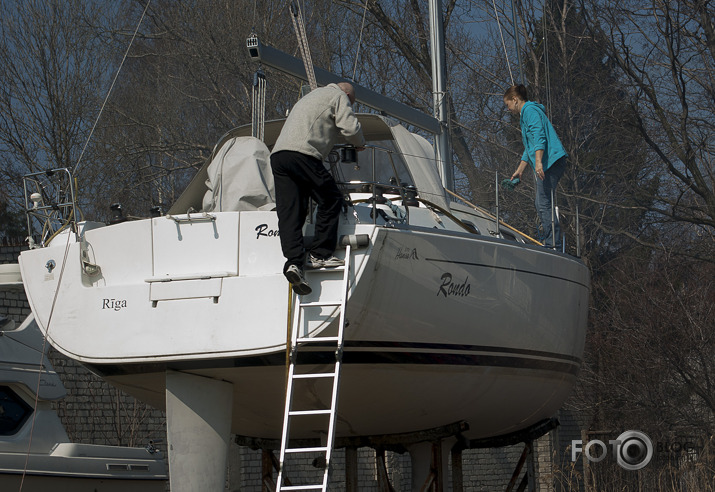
{"x": 375, "y": 353}
{"x": 497, "y": 267}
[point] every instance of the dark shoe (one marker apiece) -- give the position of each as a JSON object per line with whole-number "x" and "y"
{"x": 295, "y": 276}
{"x": 331, "y": 262}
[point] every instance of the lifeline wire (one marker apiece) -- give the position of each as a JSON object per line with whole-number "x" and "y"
{"x": 106, "y": 98}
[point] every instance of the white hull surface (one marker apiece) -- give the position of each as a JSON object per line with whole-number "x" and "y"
{"x": 444, "y": 326}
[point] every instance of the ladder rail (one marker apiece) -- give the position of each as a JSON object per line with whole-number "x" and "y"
{"x": 338, "y": 363}
{"x": 298, "y": 341}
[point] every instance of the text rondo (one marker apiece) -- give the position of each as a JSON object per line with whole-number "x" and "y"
{"x": 450, "y": 288}
{"x": 262, "y": 230}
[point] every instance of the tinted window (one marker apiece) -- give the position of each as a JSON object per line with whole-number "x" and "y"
{"x": 13, "y": 411}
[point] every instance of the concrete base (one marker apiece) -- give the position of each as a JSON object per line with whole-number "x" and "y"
{"x": 198, "y": 421}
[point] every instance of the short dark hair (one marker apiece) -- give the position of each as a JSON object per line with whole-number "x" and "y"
{"x": 517, "y": 91}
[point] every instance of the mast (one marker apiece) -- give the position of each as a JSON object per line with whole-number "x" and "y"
{"x": 443, "y": 152}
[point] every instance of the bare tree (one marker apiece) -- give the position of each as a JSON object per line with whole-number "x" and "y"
{"x": 188, "y": 81}
{"x": 56, "y": 58}
{"x": 665, "y": 51}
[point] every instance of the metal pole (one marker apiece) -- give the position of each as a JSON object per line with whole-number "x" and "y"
{"x": 578, "y": 233}
{"x": 530, "y": 466}
{"x": 351, "y": 469}
{"x": 457, "y": 475}
{"x": 496, "y": 192}
{"x": 553, "y": 220}
{"x": 439, "y": 93}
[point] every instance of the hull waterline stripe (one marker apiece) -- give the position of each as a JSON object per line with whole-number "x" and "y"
{"x": 501, "y": 357}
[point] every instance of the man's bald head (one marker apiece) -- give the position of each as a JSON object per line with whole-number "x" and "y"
{"x": 349, "y": 90}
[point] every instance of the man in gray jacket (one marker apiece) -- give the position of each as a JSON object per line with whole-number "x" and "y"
{"x": 311, "y": 130}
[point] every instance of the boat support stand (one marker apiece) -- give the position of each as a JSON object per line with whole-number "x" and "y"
{"x": 198, "y": 421}
{"x": 429, "y": 451}
{"x": 526, "y": 436}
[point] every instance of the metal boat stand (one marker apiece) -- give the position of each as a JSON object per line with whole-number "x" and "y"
{"x": 427, "y": 449}
{"x": 526, "y": 436}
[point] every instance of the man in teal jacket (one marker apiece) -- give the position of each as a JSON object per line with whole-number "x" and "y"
{"x": 544, "y": 152}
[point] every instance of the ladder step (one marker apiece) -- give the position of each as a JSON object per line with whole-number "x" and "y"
{"x": 316, "y": 339}
{"x": 314, "y": 375}
{"x": 321, "y": 303}
{"x": 293, "y": 413}
{"x": 302, "y": 487}
{"x": 321, "y": 449}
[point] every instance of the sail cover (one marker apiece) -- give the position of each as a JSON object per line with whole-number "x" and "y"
{"x": 420, "y": 160}
{"x": 240, "y": 178}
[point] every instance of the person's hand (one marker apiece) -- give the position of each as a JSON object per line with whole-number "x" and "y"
{"x": 539, "y": 169}
{"x": 516, "y": 175}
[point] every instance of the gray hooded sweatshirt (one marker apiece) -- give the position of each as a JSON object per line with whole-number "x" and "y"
{"x": 316, "y": 122}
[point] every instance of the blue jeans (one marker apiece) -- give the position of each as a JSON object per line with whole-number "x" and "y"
{"x": 543, "y": 203}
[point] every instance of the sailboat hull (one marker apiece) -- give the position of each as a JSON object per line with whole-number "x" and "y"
{"x": 443, "y": 326}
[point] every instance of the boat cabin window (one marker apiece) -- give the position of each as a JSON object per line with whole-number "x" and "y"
{"x": 13, "y": 411}
{"x": 376, "y": 164}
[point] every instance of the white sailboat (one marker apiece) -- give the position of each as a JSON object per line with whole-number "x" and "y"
{"x": 445, "y": 324}
{"x": 452, "y": 317}
{"x": 35, "y": 451}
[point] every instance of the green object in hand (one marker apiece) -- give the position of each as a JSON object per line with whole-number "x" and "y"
{"x": 510, "y": 184}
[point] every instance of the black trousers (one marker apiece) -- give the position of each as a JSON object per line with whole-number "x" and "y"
{"x": 297, "y": 178}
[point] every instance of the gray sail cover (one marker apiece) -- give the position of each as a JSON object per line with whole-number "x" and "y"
{"x": 420, "y": 159}
{"x": 240, "y": 177}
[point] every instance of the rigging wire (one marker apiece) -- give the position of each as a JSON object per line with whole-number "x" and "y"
{"x": 362, "y": 28}
{"x": 547, "y": 74}
{"x": 501, "y": 34}
{"x": 516, "y": 41}
{"x": 299, "y": 26}
{"x": 106, "y": 98}
{"x": 42, "y": 359}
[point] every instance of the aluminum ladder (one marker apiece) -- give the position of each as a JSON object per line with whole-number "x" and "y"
{"x": 300, "y": 344}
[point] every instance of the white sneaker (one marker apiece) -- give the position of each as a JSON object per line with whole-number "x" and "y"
{"x": 295, "y": 276}
{"x": 331, "y": 262}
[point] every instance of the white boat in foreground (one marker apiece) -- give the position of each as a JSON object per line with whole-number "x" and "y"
{"x": 35, "y": 453}
{"x": 448, "y": 321}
